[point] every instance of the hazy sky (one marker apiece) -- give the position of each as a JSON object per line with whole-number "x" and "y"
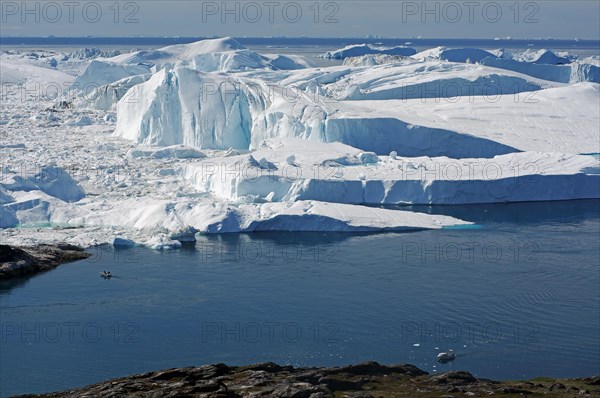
{"x": 348, "y": 18}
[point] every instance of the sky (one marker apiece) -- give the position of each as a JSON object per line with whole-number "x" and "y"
{"x": 345, "y": 18}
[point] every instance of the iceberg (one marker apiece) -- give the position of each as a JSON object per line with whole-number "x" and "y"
{"x": 100, "y": 73}
{"x": 455, "y": 54}
{"x": 573, "y": 73}
{"x": 358, "y": 50}
{"x": 543, "y": 56}
{"x": 343, "y": 174}
{"x": 216, "y": 111}
{"x": 197, "y": 109}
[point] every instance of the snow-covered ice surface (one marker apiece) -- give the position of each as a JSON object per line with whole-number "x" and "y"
{"x": 212, "y": 137}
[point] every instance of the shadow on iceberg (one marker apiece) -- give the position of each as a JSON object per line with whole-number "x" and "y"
{"x": 383, "y": 135}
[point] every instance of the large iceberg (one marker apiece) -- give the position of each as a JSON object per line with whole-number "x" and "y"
{"x": 541, "y": 64}
{"x": 216, "y": 111}
{"x": 106, "y": 80}
{"x": 343, "y": 174}
{"x": 198, "y": 109}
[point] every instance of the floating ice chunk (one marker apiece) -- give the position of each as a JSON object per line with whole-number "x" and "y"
{"x": 166, "y": 172}
{"x": 53, "y": 181}
{"x": 232, "y": 152}
{"x": 321, "y": 216}
{"x": 170, "y": 152}
{"x": 119, "y": 241}
{"x": 80, "y": 121}
{"x": 185, "y": 235}
{"x": 162, "y": 243}
{"x": 373, "y": 59}
{"x": 291, "y": 160}
{"x": 109, "y": 118}
{"x": 269, "y": 197}
{"x": 178, "y": 152}
{"x": 393, "y": 155}
{"x": 368, "y": 157}
{"x": 12, "y": 146}
{"x": 266, "y": 165}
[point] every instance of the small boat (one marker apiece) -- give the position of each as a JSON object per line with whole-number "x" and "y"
{"x": 105, "y": 274}
{"x": 444, "y": 357}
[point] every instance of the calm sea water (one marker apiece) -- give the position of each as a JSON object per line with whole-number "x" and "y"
{"x": 518, "y": 297}
{"x": 300, "y": 45}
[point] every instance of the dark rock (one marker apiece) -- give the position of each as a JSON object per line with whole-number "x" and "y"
{"x": 455, "y": 378}
{"x": 171, "y": 374}
{"x": 594, "y": 381}
{"x": 365, "y": 380}
{"x": 374, "y": 368}
{"x": 557, "y": 386}
{"x": 340, "y": 385}
{"x": 19, "y": 261}
{"x": 514, "y": 390}
{"x": 269, "y": 367}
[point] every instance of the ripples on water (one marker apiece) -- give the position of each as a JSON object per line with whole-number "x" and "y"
{"x": 516, "y": 298}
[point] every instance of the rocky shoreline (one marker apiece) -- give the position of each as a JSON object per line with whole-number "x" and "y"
{"x": 21, "y": 261}
{"x": 364, "y": 380}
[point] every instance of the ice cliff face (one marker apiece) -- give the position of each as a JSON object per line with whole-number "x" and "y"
{"x": 185, "y": 106}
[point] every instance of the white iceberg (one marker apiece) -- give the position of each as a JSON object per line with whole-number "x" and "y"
{"x": 357, "y": 50}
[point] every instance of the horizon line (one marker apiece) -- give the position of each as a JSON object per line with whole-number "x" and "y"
{"x": 369, "y": 37}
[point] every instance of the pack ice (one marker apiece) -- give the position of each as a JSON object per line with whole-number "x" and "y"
{"x": 155, "y": 146}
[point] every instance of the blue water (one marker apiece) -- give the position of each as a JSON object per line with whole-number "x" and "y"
{"x": 518, "y": 297}
{"x": 303, "y": 45}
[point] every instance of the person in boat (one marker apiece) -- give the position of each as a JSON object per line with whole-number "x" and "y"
{"x": 105, "y": 274}
{"x": 446, "y": 356}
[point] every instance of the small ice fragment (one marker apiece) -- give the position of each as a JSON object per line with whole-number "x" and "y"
{"x": 368, "y": 157}
{"x": 109, "y": 118}
{"x": 266, "y": 165}
{"x": 166, "y": 172}
{"x": 162, "y": 243}
{"x": 393, "y": 155}
{"x": 231, "y": 152}
{"x": 119, "y": 241}
{"x": 80, "y": 121}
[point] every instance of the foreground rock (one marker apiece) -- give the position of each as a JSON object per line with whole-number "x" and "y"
{"x": 15, "y": 261}
{"x": 369, "y": 379}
